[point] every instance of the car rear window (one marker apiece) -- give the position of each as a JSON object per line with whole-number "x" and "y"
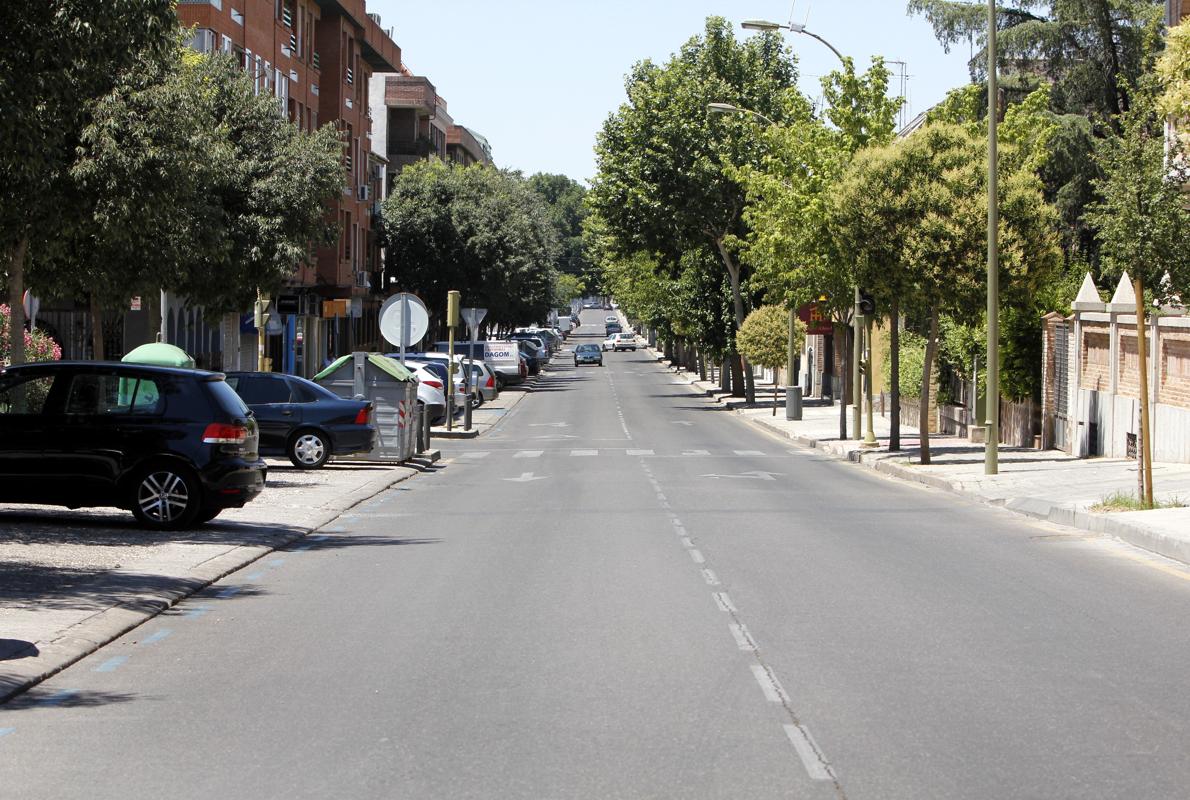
{"x": 226, "y": 398}
{"x": 23, "y": 394}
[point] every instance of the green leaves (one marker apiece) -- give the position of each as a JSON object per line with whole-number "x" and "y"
{"x": 764, "y": 337}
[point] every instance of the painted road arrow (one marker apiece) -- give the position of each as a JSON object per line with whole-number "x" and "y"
{"x": 529, "y": 476}
{"x": 755, "y": 475}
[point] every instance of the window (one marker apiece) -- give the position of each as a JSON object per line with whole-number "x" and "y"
{"x": 260, "y": 389}
{"x": 99, "y": 393}
{"x": 25, "y": 395}
{"x": 303, "y": 393}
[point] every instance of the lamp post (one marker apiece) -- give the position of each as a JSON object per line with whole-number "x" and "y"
{"x": 991, "y": 455}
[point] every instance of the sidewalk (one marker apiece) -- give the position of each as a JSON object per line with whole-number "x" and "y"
{"x": 1044, "y": 484}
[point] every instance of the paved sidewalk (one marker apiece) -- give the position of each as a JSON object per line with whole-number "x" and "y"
{"x": 1044, "y": 484}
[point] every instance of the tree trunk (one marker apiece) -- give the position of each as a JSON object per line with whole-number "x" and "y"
{"x": 923, "y": 421}
{"x": 738, "y": 370}
{"x": 669, "y": 349}
{"x": 96, "y": 329}
{"x": 1146, "y": 444}
{"x": 16, "y": 308}
{"x": 839, "y": 385}
{"x": 725, "y": 374}
{"x": 737, "y": 302}
{"x": 702, "y": 365}
{"x": 894, "y": 421}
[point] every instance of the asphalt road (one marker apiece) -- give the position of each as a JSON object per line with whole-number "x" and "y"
{"x": 622, "y": 592}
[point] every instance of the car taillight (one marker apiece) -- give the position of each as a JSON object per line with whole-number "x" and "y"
{"x": 491, "y": 384}
{"x": 435, "y": 384}
{"x": 222, "y": 433}
{"x": 364, "y": 416}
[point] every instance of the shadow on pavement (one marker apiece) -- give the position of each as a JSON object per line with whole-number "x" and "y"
{"x": 69, "y": 698}
{"x": 12, "y": 649}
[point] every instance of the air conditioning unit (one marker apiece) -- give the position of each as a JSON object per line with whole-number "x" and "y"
{"x": 364, "y": 193}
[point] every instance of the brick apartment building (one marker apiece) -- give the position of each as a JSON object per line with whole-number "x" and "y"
{"x": 316, "y": 57}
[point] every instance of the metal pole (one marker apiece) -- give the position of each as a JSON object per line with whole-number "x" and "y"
{"x": 450, "y": 379}
{"x": 870, "y": 435}
{"x": 991, "y": 461}
{"x": 857, "y": 325}
{"x": 467, "y": 382}
{"x": 790, "y": 375}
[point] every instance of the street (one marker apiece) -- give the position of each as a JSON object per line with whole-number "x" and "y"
{"x": 624, "y": 591}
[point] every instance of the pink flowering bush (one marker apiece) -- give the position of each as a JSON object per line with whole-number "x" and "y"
{"x": 38, "y": 344}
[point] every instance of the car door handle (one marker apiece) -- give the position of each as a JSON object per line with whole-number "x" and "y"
{"x": 287, "y": 413}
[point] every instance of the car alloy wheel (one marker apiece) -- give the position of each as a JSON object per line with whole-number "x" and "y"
{"x": 309, "y": 450}
{"x": 166, "y": 498}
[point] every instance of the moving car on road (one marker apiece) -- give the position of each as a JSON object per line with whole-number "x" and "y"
{"x": 302, "y": 420}
{"x": 620, "y": 341}
{"x": 588, "y": 354}
{"x": 173, "y": 446}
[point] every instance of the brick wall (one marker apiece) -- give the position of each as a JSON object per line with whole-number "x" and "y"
{"x": 1128, "y": 364}
{"x": 1095, "y": 358}
{"x": 1175, "y": 369}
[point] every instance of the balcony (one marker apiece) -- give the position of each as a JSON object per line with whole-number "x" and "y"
{"x": 420, "y": 148}
{"x": 410, "y": 91}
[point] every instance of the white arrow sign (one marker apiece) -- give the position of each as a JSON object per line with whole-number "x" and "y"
{"x": 526, "y": 477}
{"x": 756, "y": 475}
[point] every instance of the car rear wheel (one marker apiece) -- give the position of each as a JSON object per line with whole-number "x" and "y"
{"x": 309, "y": 449}
{"x": 207, "y": 514}
{"x": 166, "y": 497}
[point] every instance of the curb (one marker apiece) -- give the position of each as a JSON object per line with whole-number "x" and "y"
{"x": 1032, "y": 507}
{"x": 84, "y": 638}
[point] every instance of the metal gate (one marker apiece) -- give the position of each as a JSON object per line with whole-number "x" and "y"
{"x": 1062, "y": 387}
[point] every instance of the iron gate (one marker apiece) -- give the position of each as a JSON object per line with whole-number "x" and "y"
{"x": 1062, "y": 387}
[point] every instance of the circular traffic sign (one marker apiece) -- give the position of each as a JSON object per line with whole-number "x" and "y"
{"x": 403, "y": 320}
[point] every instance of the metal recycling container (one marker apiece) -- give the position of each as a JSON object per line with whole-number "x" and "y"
{"x": 393, "y": 392}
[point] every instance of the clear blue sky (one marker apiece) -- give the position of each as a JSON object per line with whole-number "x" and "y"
{"x": 538, "y": 77}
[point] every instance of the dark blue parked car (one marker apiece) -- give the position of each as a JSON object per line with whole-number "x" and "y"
{"x": 302, "y": 420}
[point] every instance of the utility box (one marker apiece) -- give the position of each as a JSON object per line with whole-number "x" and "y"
{"x": 393, "y": 392}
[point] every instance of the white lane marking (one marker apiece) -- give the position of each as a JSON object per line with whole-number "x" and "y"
{"x": 724, "y": 602}
{"x": 549, "y": 424}
{"x": 698, "y": 557}
{"x": 710, "y": 577}
{"x": 526, "y": 477}
{"x": 527, "y": 453}
{"x": 477, "y": 454}
{"x": 680, "y": 529}
{"x": 754, "y": 475}
{"x": 687, "y": 542}
{"x": 696, "y": 452}
{"x": 773, "y": 691}
{"x": 748, "y": 452}
{"x": 680, "y": 422}
{"x": 584, "y": 452}
{"x": 743, "y": 639}
{"x": 817, "y": 767}
{"x": 640, "y": 452}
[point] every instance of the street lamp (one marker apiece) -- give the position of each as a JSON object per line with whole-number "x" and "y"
{"x": 991, "y": 455}
{"x": 765, "y": 25}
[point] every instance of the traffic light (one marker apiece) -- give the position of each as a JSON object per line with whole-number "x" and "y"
{"x": 867, "y": 304}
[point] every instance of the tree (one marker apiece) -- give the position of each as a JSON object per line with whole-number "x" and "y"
{"x": 476, "y": 229}
{"x": 566, "y": 288}
{"x": 55, "y": 57}
{"x": 1144, "y": 227}
{"x": 764, "y": 339}
{"x": 662, "y": 186}
{"x": 566, "y": 209}
{"x": 188, "y": 180}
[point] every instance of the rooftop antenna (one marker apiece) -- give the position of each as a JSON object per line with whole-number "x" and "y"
{"x": 902, "y": 73}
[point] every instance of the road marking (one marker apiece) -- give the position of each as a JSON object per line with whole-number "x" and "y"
{"x": 698, "y": 557}
{"x": 57, "y": 699}
{"x": 111, "y": 665}
{"x": 255, "y": 576}
{"x": 526, "y": 477}
{"x": 687, "y": 542}
{"x": 748, "y": 452}
{"x": 476, "y": 454}
{"x": 710, "y": 577}
{"x": 743, "y": 639}
{"x": 696, "y": 452}
{"x": 584, "y": 452}
{"x": 276, "y": 562}
{"x": 724, "y": 602}
{"x": 528, "y": 453}
{"x": 6, "y": 731}
{"x": 157, "y": 636}
{"x": 773, "y": 692}
{"x": 755, "y": 475}
{"x": 680, "y": 422}
{"x": 818, "y": 768}
{"x": 549, "y": 424}
{"x": 196, "y": 612}
{"x": 230, "y": 591}
{"x": 639, "y": 452}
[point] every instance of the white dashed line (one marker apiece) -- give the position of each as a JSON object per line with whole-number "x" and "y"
{"x": 640, "y": 452}
{"x": 698, "y": 557}
{"x": 724, "y": 602}
{"x": 528, "y": 453}
{"x": 748, "y": 452}
{"x": 773, "y": 692}
{"x": 477, "y": 454}
{"x": 584, "y": 452}
{"x": 743, "y": 639}
{"x": 710, "y": 577}
{"x": 811, "y": 755}
{"x": 696, "y": 452}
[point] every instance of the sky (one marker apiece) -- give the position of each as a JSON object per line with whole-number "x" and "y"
{"x": 539, "y": 77}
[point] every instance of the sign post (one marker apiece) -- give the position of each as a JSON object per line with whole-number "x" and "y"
{"x": 472, "y": 316}
{"x": 453, "y": 300}
{"x": 403, "y": 321}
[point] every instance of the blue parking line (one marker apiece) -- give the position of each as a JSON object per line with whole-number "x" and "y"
{"x": 6, "y": 731}
{"x": 58, "y": 699}
{"x": 197, "y": 612}
{"x": 276, "y": 562}
{"x": 255, "y": 576}
{"x": 230, "y": 591}
{"x": 111, "y": 665}
{"x": 156, "y": 637}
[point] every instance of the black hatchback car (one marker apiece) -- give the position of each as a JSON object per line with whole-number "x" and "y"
{"x": 302, "y": 420}
{"x": 173, "y": 446}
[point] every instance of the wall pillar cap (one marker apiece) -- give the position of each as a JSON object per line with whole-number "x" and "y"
{"x": 1124, "y": 300}
{"x": 1088, "y": 297}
